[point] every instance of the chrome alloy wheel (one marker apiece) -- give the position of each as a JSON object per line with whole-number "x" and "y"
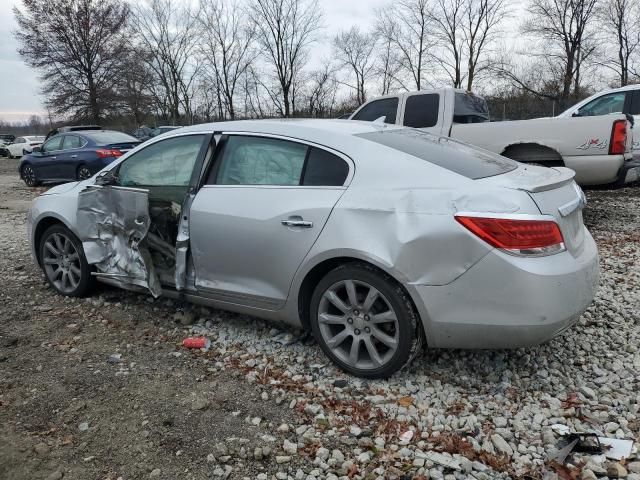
{"x": 358, "y": 324}
{"x": 61, "y": 262}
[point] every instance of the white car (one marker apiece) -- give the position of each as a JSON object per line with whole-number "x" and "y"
{"x": 23, "y": 145}
{"x": 597, "y": 148}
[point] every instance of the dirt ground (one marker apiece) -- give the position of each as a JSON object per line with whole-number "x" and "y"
{"x": 70, "y": 409}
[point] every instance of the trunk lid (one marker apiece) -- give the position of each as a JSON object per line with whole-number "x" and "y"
{"x": 555, "y": 193}
{"x": 124, "y": 147}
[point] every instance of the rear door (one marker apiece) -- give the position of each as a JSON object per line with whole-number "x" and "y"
{"x": 70, "y": 157}
{"x": 263, "y": 205}
{"x": 424, "y": 111}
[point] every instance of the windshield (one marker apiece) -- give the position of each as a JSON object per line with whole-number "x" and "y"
{"x": 105, "y": 137}
{"x": 444, "y": 152}
{"x": 469, "y": 108}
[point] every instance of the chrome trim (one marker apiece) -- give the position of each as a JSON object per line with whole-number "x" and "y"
{"x": 576, "y": 204}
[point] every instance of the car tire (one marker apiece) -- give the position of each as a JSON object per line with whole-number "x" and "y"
{"x": 356, "y": 302}
{"x": 28, "y": 173}
{"x": 63, "y": 262}
{"x": 83, "y": 172}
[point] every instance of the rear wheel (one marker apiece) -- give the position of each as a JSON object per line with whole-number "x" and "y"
{"x": 29, "y": 176}
{"x": 83, "y": 173}
{"x": 64, "y": 263}
{"x": 364, "y": 321}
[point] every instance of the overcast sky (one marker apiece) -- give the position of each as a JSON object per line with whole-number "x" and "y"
{"x": 19, "y": 86}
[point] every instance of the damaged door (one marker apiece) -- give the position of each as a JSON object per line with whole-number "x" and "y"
{"x": 129, "y": 225}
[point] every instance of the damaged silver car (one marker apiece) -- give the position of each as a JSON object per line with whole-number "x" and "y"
{"x": 378, "y": 239}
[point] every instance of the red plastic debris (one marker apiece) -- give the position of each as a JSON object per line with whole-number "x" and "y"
{"x": 197, "y": 342}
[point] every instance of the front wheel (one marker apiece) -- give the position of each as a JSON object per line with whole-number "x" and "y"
{"x": 29, "y": 176}
{"x": 63, "y": 261}
{"x": 364, "y": 321}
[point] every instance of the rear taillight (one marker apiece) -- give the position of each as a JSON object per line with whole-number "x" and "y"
{"x": 107, "y": 153}
{"x": 516, "y": 236}
{"x": 618, "y": 143}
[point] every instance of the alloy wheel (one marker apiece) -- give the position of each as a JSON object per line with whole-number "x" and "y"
{"x": 358, "y": 324}
{"x": 61, "y": 262}
{"x": 29, "y": 175}
{"x": 84, "y": 173}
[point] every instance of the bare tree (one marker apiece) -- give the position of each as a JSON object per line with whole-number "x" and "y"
{"x": 78, "y": 47}
{"x": 388, "y": 66}
{"x": 285, "y": 29}
{"x": 227, "y": 46}
{"x": 448, "y": 21}
{"x": 621, "y": 22}
{"x": 411, "y": 36}
{"x": 481, "y": 29}
{"x": 322, "y": 90}
{"x": 168, "y": 34}
{"x": 354, "y": 50}
{"x": 565, "y": 34}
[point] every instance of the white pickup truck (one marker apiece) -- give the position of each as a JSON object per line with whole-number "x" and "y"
{"x": 598, "y": 148}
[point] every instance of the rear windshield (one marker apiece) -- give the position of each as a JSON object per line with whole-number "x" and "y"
{"x": 470, "y": 109}
{"x": 443, "y": 152}
{"x": 106, "y": 137}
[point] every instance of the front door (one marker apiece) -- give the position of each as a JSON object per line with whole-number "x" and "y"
{"x": 129, "y": 228}
{"x": 261, "y": 209}
{"x": 47, "y": 159}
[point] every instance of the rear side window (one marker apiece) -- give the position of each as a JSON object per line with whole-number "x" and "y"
{"x": 71, "y": 141}
{"x": 324, "y": 169}
{"x": 386, "y": 107}
{"x": 421, "y": 111}
{"x": 444, "y": 152}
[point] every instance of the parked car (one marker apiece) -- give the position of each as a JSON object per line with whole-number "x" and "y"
{"x": 4, "y": 149}
{"x": 72, "y": 128}
{"x": 375, "y": 238}
{"x": 74, "y": 156}
{"x": 617, "y": 100}
{"x": 7, "y": 138}
{"x": 145, "y": 133}
{"x": 598, "y": 149}
{"x": 23, "y": 145}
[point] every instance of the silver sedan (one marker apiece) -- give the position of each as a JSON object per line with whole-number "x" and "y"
{"x": 376, "y": 238}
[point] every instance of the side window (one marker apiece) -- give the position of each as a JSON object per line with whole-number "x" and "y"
{"x": 421, "y": 111}
{"x": 324, "y": 169}
{"x": 19, "y": 140}
{"x": 610, "y": 103}
{"x": 71, "y": 141}
{"x": 52, "y": 145}
{"x": 261, "y": 161}
{"x": 634, "y": 109}
{"x": 386, "y": 107}
{"x": 166, "y": 163}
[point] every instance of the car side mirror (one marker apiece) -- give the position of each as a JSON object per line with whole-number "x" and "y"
{"x": 106, "y": 178}
{"x": 576, "y": 114}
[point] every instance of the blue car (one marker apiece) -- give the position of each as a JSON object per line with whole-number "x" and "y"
{"x": 75, "y": 155}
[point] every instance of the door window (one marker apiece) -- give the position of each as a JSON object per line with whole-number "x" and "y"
{"x": 610, "y": 103}
{"x": 71, "y": 141}
{"x": 52, "y": 145}
{"x": 261, "y": 161}
{"x": 19, "y": 140}
{"x": 166, "y": 163}
{"x": 421, "y": 111}
{"x": 386, "y": 107}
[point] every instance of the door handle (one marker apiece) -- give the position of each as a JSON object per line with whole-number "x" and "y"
{"x": 297, "y": 223}
{"x": 74, "y": 156}
{"x": 53, "y": 158}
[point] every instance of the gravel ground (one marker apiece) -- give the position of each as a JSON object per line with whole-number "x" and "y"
{"x": 100, "y": 388}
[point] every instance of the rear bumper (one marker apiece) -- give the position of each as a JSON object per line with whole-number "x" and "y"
{"x": 629, "y": 172}
{"x": 505, "y": 301}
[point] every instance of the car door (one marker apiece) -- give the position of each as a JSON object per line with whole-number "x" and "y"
{"x": 260, "y": 210}
{"x": 46, "y": 160}
{"x": 68, "y": 159}
{"x": 129, "y": 220}
{"x": 15, "y": 149}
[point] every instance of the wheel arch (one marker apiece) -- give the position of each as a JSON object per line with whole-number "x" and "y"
{"x": 40, "y": 227}
{"x": 533, "y": 152}
{"x": 314, "y": 274}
